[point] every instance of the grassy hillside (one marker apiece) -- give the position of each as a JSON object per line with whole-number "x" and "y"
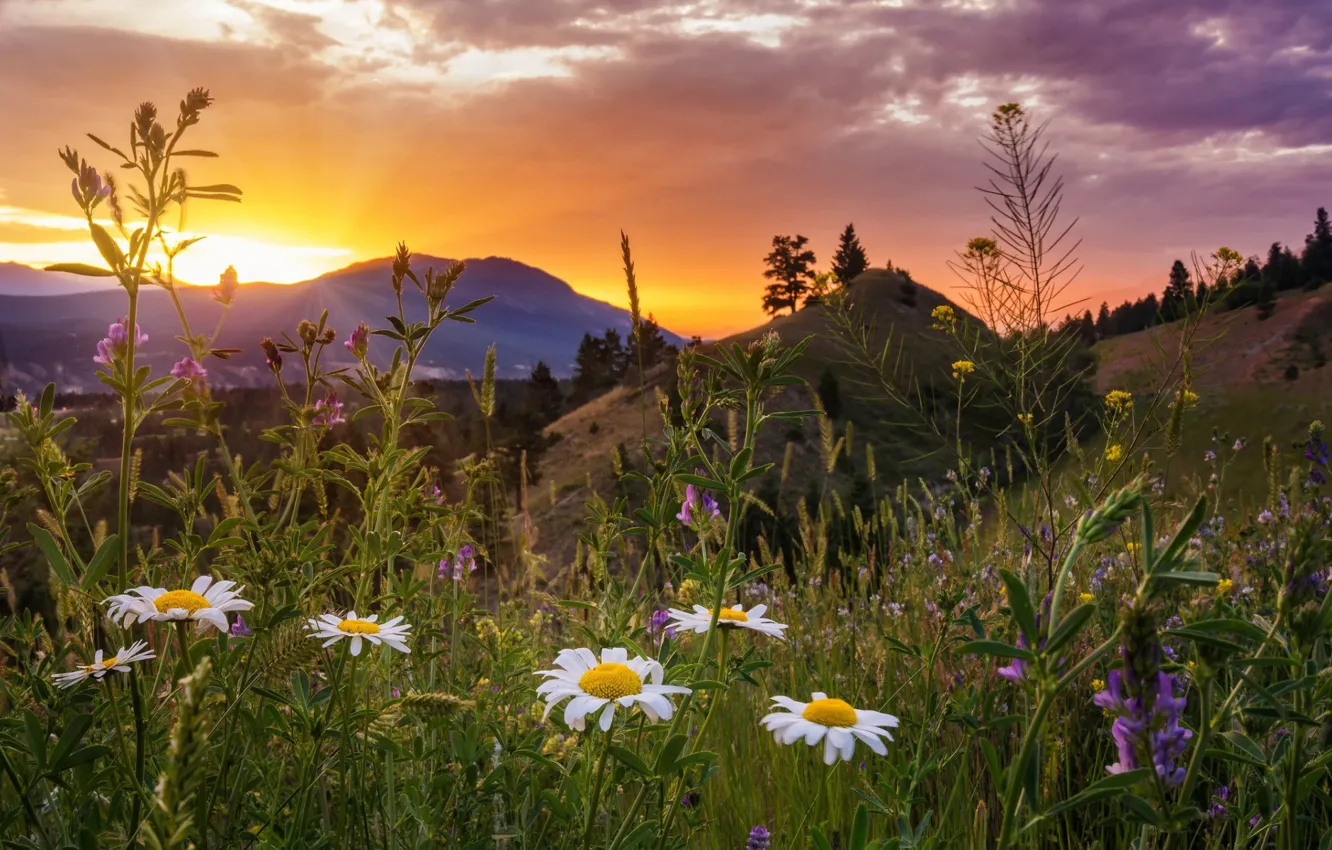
{"x": 1254, "y": 377}
{"x": 581, "y": 463}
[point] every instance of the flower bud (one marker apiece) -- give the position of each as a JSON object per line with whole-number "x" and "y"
{"x": 359, "y": 342}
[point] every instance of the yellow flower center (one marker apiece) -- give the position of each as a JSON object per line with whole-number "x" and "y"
{"x": 611, "y": 681}
{"x": 733, "y": 616}
{"x": 187, "y": 599}
{"x": 359, "y": 627}
{"x": 111, "y": 662}
{"x": 830, "y": 712}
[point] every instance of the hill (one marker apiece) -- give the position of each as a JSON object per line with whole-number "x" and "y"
{"x": 18, "y": 279}
{"x": 580, "y": 463}
{"x": 535, "y": 316}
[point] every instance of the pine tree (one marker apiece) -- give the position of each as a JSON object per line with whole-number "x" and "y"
{"x": 1317, "y": 260}
{"x": 654, "y": 345}
{"x": 543, "y": 400}
{"x": 850, "y": 261}
{"x": 1103, "y": 321}
{"x": 1282, "y": 269}
{"x": 1178, "y": 293}
{"x": 790, "y": 267}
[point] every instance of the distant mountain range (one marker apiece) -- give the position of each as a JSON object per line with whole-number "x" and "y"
{"x": 534, "y": 316}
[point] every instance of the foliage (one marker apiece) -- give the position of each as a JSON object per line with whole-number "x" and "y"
{"x": 790, "y": 267}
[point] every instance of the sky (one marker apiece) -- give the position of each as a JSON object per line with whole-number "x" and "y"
{"x": 539, "y": 129}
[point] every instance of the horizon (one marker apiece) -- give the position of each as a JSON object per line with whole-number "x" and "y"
{"x": 538, "y": 133}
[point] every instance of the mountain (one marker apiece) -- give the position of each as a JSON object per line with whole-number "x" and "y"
{"x": 18, "y": 279}
{"x": 534, "y": 316}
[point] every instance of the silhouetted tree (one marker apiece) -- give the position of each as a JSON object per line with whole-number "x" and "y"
{"x": 654, "y": 344}
{"x": 1103, "y": 321}
{"x": 1317, "y": 260}
{"x": 1282, "y": 269}
{"x": 1175, "y": 301}
{"x": 850, "y": 261}
{"x": 598, "y": 366}
{"x": 543, "y": 401}
{"x": 791, "y": 268}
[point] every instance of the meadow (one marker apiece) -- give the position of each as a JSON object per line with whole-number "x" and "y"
{"x": 1080, "y": 633}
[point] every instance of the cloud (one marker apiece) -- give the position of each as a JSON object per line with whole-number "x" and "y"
{"x": 538, "y": 128}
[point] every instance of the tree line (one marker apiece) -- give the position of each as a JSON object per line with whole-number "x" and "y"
{"x": 1256, "y": 283}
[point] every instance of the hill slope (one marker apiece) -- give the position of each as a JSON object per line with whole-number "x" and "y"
{"x": 588, "y": 434}
{"x": 535, "y": 316}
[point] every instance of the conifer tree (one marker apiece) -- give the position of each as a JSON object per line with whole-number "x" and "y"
{"x": 791, "y": 270}
{"x": 850, "y": 260}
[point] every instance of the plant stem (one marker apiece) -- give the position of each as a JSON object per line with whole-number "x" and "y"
{"x": 596, "y": 789}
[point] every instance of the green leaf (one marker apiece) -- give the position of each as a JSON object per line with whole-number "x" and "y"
{"x": 1188, "y": 577}
{"x": 860, "y": 828}
{"x": 1019, "y": 602}
{"x": 1069, "y": 628}
{"x": 700, "y": 481}
{"x": 1108, "y": 787}
{"x": 218, "y": 189}
{"x": 670, "y": 751}
{"x": 641, "y": 833}
{"x": 51, "y": 550}
{"x": 107, "y": 246}
{"x": 101, "y": 562}
{"x": 630, "y": 759}
{"x": 995, "y": 647}
{"x": 69, "y": 739}
{"x": 79, "y": 268}
{"x": 817, "y": 837}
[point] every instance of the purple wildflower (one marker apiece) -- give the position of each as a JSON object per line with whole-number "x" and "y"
{"x": 189, "y": 369}
{"x": 272, "y": 356}
{"x": 239, "y": 628}
{"x": 697, "y": 499}
{"x": 396, "y": 693}
{"x": 1218, "y": 807}
{"x": 227, "y": 283}
{"x": 1265, "y": 518}
{"x": 359, "y": 343}
{"x": 1016, "y": 670}
{"x": 759, "y": 839}
{"x": 328, "y": 410}
{"x": 117, "y": 342}
{"x": 88, "y": 188}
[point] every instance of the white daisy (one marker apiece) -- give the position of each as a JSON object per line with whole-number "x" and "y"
{"x": 734, "y": 617}
{"x": 137, "y": 651}
{"x": 832, "y": 719}
{"x": 333, "y": 628}
{"x": 206, "y": 601}
{"x": 616, "y": 680}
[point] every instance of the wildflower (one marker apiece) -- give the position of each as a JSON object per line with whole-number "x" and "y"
{"x": 1224, "y": 586}
{"x": 1114, "y": 453}
{"x": 332, "y": 629}
{"x": 272, "y": 356}
{"x": 239, "y": 628}
{"x": 1147, "y": 722}
{"x": 1024, "y": 418}
{"x": 88, "y": 188}
{"x": 1016, "y": 670}
{"x": 1265, "y": 518}
{"x": 962, "y": 368}
{"x": 227, "y": 283}
{"x": 734, "y": 617}
{"x": 116, "y": 344}
{"x": 759, "y": 839}
{"x": 945, "y": 319}
{"x": 328, "y": 410}
{"x": 137, "y": 651}
{"x": 206, "y": 602}
{"x": 600, "y": 686}
{"x": 659, "y": 624}
{"x": 189, "y": 369}
{"x": 359, "y": 341}
{"x": 696, "y": 499}
{"x": 463, "y": 565}
{"x": 833, "y": 721}
{"x": 1098, "y": 684}
{"x": 1084, "y": 598}
{"x": 1188, "y": 397}
{"x": 1119, "y": 401}
{"x": 1239, "y": 444}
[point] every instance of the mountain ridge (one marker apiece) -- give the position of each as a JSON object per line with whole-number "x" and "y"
{"x": 534, "y": 316}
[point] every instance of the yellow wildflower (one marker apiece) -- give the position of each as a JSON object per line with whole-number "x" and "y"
{"x": 1024, "y": 418}
{"x": 962, "y": 368}
{"x": 1119, "y": 400}
{"x": 1133, "y": 547}
{"x": 1085, "y": 597}
{"x": 944, "y": 318}
{"x": 1224, "y": 586}
{"x": 688, "y": 588}
{"x": 1098, "y": 684}
{"x": 1115, "y": 453}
